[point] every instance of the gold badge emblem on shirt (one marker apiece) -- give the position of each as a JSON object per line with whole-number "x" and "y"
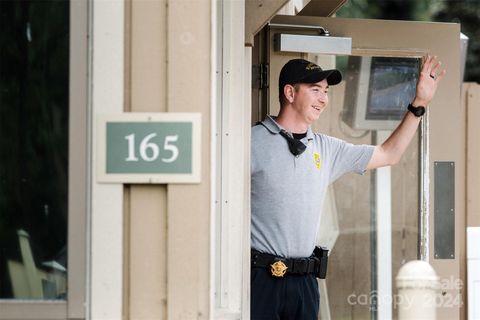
{"x": 318, "y": 160}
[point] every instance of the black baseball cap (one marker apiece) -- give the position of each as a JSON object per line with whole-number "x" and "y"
{"x": 303, "y": 71}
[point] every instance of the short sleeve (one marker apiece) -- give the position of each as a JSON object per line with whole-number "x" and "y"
{"x": 346, "y": 157}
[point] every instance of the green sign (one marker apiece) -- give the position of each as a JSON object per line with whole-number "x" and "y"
{"x": 151, "y": 148}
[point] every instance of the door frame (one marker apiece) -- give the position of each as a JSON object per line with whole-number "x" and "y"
{"x": 409, "y": 39}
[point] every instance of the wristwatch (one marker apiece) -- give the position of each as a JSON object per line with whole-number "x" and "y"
{"x": 417, "y": 111}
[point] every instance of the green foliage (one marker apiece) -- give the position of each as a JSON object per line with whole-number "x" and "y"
{"x": 466, "y": 12}
{"x": 420, "y": 10}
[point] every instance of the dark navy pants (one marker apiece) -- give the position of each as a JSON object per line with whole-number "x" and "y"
{"x": 293, "y": 297}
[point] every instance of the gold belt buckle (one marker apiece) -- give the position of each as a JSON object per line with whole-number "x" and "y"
{"x": 278, "y": 269}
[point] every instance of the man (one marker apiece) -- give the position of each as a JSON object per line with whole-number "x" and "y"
{"x": 291, "y": 170}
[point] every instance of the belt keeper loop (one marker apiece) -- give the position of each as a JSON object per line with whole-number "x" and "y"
{"x": 317, "y": 266}
{"x": 307, "y": 265}
{"x": 302, "y": 265}
{"x": 294, "y": 268}
{"x": 311, "y": 265}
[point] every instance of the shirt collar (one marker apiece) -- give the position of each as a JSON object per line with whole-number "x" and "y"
{"x": 275, "y": 128}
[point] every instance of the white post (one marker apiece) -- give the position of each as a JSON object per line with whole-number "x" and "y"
{"x": 417, "y": 285}
{"x": 383, "y": 202}
{"x": 473, "y": 272}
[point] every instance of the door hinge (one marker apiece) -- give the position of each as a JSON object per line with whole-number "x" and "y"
{"x": 260, "y": 76}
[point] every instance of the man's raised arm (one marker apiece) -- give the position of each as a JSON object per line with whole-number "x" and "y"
{"x": 390, "y": 151}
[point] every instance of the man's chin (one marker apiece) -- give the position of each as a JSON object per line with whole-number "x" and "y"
{"x": 317, "y": 114}
{"x": 313, "y": 119}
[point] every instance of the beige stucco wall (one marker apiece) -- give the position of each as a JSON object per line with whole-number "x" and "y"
{"x": 168, "y": 52}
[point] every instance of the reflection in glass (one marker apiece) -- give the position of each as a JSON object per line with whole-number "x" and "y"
{"x": 379, "y": 90}
{"x": 392, "y": 86}
{"x": 34, "y": 60}
{"x": 354, "y": 211}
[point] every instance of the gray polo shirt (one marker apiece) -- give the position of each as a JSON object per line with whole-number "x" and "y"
{"x": 288, "y": 191}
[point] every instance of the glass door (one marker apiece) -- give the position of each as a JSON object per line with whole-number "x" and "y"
{"x": 373, "y": 223}
{"x": 369, "y": 222}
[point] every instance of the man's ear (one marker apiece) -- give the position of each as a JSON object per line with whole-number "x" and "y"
{"x": 289, "y": 92}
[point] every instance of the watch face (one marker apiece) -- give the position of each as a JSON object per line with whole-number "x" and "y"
{"x": 417, "y": 111}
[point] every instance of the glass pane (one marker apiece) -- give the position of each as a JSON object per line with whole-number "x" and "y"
{"x": 34, "y": 60}
{"x": 369, "y": 222}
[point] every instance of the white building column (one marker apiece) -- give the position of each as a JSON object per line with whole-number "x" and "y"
{"x": 106, "y": 217}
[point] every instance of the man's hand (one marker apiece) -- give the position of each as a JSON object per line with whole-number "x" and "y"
{"x": 390, "y": 151}
{"x": 430, "y": 75}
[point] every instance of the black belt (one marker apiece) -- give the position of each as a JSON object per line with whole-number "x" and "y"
{"x": 280, "y": 266}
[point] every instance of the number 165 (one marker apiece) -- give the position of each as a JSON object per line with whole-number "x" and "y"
{"x": 149, "y": 150}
